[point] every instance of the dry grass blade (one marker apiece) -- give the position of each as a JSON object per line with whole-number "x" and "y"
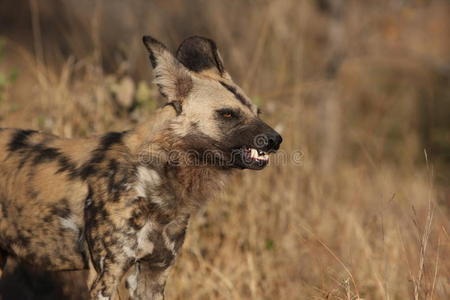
{"x": 294, "y": 230}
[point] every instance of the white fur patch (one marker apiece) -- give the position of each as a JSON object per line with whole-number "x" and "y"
{"x": 170, "y": 244}
{"x": 69, "y": 223}
{"x": 158, "y": 200}
{"x": 101, "y": 297}
{"x": 145, "y": 246}
{"x": 102, "y": 259}
{"x": 132, "y": 281}
{"x": 129, "y": 252}
{"x": 147, "y": 179}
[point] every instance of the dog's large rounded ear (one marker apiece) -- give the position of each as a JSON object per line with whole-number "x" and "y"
{"x": 200, "y": 55}
{"x": 172, "y": 78}
{"x": 155, "y": 48}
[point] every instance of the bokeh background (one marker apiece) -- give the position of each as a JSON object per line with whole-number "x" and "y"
{"x": 360, "y": 88}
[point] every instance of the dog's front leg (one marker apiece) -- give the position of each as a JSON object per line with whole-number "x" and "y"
{"x": 111, "y": 257}
{"x": 147, "y": 279}
{"x": 146, "y": 282}
{"x": 106, "y": 282}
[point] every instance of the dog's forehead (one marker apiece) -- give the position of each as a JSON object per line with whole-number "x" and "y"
{"x": 221, "y": 93}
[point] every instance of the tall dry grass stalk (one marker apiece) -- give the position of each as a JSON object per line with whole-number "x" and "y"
{"x": 362, "y": 215}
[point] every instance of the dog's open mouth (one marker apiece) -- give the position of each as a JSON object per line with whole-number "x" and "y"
{"x": 253, "y": 154}
{"x": 252, "y": 158}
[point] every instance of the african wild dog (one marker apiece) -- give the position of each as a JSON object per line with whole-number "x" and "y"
{"x": 120, "y": 204}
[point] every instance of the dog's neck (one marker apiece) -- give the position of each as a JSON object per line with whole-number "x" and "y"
{"x": 147, "y": 131}
{"x": 181, "y": 187}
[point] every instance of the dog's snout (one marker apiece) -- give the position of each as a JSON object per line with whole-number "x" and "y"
{"x": 266, "y": 138}
{"x": 274, "y": 141}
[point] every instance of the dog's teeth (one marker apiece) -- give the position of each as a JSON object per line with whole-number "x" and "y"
{"x": 257, "y": 154}
{"x": 254, "y": 153}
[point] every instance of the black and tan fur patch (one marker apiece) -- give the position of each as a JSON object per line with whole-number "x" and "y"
{"x": 119, "y": 204}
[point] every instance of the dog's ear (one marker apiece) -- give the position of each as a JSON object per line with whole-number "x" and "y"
{"x": 200, "y": 55}
{"x": 172, "y": 78}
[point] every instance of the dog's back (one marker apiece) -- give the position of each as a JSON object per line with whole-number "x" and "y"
{"x": 41, "y": 198}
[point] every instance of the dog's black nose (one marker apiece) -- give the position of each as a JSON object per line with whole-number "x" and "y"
{"x": 274, "y": 141}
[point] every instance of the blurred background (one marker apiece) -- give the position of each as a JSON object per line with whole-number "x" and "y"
{"x": 360, "y": 88}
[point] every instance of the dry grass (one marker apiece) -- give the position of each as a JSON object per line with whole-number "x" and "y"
{"x": 361, "y": 89}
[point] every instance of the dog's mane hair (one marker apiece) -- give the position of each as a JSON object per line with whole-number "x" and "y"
{"x": 196, "y": 185}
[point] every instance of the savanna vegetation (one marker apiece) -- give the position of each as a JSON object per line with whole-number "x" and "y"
{"x": 357, "y": 203}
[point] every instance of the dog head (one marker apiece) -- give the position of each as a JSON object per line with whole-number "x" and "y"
{"x": 215, "y": 119}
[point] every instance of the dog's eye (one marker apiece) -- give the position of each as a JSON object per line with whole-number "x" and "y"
{"x": 227, "y": 114}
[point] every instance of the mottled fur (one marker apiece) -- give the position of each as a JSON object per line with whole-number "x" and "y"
{"x": 119, "y": 204}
